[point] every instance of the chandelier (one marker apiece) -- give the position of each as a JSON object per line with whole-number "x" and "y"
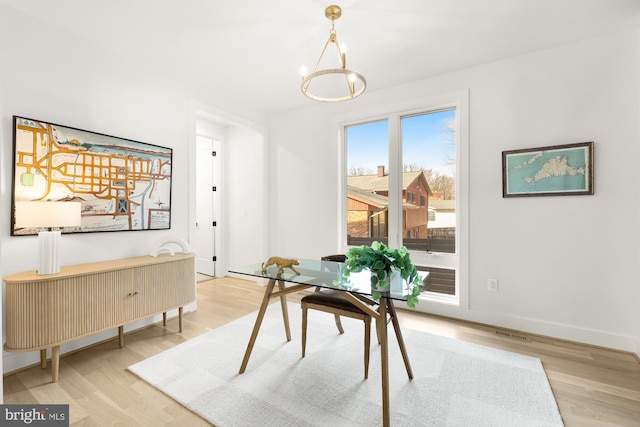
{"x": 332, "y": 84}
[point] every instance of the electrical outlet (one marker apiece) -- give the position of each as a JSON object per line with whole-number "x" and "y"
{"x": 492, "y": 285}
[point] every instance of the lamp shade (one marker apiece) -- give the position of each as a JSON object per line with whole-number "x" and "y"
{"x": 47, "y": 214}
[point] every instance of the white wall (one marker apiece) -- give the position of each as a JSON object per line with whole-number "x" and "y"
{"x": 303, "y": 170}
{"x": 55, "y": 76}
{"x": 246, "y": 196}
{"x": 566, "y": 265}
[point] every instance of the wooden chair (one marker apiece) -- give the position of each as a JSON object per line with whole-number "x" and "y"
{"x": 332, "y": 302}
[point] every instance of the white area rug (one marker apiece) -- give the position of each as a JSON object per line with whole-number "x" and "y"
{"x": 456, "y": 383}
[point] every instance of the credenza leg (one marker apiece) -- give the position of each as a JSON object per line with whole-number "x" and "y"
{"x": 55, "y": 363}
{"x": 164, "y": 318}
{"x": 121, "y": 336}
{"x": 180, "y": 318}
{"x": 43, "y": 358}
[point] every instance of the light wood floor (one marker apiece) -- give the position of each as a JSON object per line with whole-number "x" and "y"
{"x": 593, "y": 386}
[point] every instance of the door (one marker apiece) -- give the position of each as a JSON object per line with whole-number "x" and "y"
{"x": 204, "y": 241}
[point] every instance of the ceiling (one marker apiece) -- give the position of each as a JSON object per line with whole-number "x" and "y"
{"x": 249, "y": 52}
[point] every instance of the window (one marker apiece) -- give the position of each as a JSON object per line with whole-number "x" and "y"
{"x": 402, "y": 188}
{"x": 367, "y": 182}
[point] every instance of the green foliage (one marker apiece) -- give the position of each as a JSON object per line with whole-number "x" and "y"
{"x": 381, "y": 260}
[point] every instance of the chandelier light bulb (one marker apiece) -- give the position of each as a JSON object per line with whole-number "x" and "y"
{"x": 303, "y": 71}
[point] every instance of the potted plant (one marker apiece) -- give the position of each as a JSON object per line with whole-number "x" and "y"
{"x": 382, "y": 261}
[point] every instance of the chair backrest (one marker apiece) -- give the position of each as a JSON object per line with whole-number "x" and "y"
{"x": 335, "y": 258}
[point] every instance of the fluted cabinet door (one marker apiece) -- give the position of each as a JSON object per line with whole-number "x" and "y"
{"x": 44, "y": 311}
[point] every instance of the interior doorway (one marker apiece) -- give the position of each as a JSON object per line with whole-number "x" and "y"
{"x": 240, "y": 203}
{"x": 204, "y": 241}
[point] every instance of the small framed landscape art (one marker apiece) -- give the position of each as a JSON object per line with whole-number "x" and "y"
{"x": 558, "y": 170}
{"x": 119, "y": 184}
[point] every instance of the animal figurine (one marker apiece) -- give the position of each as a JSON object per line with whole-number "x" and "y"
{"x": 282, "y": 263}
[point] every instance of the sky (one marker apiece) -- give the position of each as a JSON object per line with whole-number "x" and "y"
{"x": 426, "y": 143}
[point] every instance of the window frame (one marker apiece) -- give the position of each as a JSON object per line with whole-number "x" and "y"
{"x": 460, "y": 101}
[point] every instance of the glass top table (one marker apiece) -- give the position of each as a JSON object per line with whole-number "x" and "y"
{"x": 328, "y": 274}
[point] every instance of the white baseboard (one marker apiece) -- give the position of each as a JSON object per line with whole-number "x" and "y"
{"x": 599, "y": 338}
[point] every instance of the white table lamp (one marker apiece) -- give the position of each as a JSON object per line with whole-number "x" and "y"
{"x": 48, "y": 215}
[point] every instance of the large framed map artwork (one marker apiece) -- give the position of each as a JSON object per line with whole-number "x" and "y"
{"x": 122, "y": 185}
{"x": 558, "y": 170}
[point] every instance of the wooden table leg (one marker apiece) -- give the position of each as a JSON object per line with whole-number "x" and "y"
{"x": 256, "y": 326}
{"x": 396, "y": 327}
{"x": 384, "y": 361}
{"x": 55, "y": 363}
{"x": 285, "y": 312}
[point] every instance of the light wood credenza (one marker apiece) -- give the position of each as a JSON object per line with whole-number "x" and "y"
{"x": 44, "y": 311}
